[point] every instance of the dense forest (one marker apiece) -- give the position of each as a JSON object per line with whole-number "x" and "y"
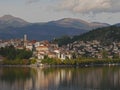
{"x": 105, "y": 35}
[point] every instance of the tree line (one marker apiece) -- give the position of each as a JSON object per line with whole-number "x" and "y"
{"x": 11, "y": 53}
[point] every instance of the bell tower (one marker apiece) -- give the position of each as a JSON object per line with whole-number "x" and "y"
{"x": 25, "y": 40}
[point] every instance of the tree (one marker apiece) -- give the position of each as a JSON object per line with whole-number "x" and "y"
{"x": 12, "y": 54}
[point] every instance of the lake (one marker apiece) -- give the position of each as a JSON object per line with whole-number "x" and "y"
{"x": 92, "y": 78}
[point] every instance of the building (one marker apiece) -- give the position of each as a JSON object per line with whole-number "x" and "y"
{"x": 25, "y": 40}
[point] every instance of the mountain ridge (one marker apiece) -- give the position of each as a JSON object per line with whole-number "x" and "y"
{"x": 14, "y": 27}
{"x": 79, "y": 23}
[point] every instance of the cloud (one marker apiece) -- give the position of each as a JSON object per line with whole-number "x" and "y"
{"x": 32, "y": 1}
{"x": 90, "y": 6}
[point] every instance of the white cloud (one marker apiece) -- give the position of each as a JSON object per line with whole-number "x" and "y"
{"x": 90, "y": 6}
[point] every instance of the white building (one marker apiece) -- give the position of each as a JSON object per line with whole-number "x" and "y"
{"x": 40, "y": 56}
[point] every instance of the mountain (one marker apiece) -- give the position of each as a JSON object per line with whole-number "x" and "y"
{"x": 79, "y": 24}
{"x": 11, "y": 21}
{"x": 14, "y": 27}
{"x": 98, "y": 25}
{"x": 105, "y": 35}
{"x": 118, "y": 24}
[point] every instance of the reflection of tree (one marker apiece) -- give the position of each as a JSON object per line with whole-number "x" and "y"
{"x": 13, "y": 74}
{"x": 60, "y": 78}
{"x": 99, "y": 78}
{"x": 111, "y": 77}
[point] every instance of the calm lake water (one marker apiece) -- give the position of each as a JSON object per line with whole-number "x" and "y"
{"x": 93, "y": 78}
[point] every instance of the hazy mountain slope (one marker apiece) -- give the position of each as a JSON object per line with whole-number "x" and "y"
{"x": 39, "y": 32}
{"x": 14, "y": 27}
{"x": 118, "y": 24}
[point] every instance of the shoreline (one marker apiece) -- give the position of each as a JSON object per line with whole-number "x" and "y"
{"x": 18, "y": 66}
{"x": 50, "y": 66}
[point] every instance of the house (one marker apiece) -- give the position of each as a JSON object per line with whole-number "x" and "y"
{"x": 69, "y": 56}
{"x": 40, "y": 56}
{"x": 63, "y": 56}
{"x": 42, "y": 48}
{"x": 99, "y": 56}
{"x": 37, "y": 44}
{"x": 51, "y": 55}
{"x": 29, "y": 47}
{"x": 57, "y": 51}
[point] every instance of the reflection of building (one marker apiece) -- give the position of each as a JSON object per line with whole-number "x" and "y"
{"x": 38, "y": 80}
{"x": 47, "y": 81}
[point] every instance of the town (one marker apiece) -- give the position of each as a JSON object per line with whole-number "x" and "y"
{"x": 77, "y": 49}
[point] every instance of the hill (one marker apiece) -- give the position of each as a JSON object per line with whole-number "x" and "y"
{"x": 14, "y": 27}
{"x": 105, "y": 35}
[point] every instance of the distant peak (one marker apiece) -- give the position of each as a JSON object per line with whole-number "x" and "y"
{"x": 7, "y": 17}
{"x": 68, "y": 19}
{"x": 71, "y": 20}
{"x": 13, "y": 21}
{"x": 12, "y": 18}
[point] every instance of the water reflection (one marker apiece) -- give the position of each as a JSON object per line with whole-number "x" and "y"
{"x": 99, "y": 78}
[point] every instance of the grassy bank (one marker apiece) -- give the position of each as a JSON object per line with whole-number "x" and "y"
{"x": 18, "y": 62}
{"x": 80, "y": 62}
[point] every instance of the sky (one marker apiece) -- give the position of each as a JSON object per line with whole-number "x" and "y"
{"x": 107, "y": 11}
